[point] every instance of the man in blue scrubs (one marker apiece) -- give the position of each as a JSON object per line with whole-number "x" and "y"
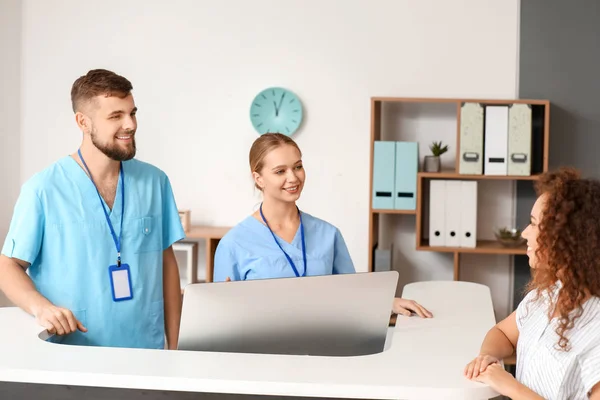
{"x": 94, "y": 231}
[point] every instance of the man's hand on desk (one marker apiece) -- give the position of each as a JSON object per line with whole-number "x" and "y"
{"x": 406, "y": 307}
{"x": 57, "y": 320}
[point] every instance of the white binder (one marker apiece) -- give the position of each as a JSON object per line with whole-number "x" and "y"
{"x": 453, "y": 213}
{"x": 519, "y": 140}
{"x": 496, "y": 140}
{"x": 471, "y": 139}
{"x": 468, "y": 214}
{"x": 437, "y": 212}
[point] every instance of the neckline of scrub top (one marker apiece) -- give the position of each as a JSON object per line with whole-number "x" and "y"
{"x": 77, "y": 173}
{"x": 296, "y": 235}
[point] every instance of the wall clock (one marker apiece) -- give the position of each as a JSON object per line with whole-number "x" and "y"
{"x": 276, "y": 110}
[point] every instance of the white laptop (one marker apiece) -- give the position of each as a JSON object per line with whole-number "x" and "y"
{"x": 331, "y": 315}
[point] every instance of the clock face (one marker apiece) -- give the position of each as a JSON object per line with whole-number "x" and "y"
{"x": 276, "y": 110}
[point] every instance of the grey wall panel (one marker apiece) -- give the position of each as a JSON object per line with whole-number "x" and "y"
{"x": 559, "y": 60}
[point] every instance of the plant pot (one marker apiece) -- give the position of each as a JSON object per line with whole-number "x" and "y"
{"x": 432, "y": 164}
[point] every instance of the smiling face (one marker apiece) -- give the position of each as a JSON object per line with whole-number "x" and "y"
{"x": 282, "y": 175}
{"x": 532, "y": 231}
{"x": 112, "y": 125}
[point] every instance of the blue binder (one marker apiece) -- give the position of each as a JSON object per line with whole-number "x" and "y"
{"x": 407, "y": 166}
{"x": 384, "y": 155}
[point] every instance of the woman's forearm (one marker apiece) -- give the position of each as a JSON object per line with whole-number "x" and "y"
{"x": 496, "y": 344}
{"x": 522, "y": 392}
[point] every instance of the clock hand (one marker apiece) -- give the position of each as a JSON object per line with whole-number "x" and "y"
{"x": 276, "y": 109}
{"x": 280, "y": 101}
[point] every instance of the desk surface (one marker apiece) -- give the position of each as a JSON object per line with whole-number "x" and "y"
{"x": 425, "y": 359}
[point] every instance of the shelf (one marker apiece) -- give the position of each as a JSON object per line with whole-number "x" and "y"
{"x": 453, "y": 175}
{"x": 410, "y": 119}
{"x": 483, "y": 247}
{"x": 458, "y": 101}
{"x": 384, "y": 211}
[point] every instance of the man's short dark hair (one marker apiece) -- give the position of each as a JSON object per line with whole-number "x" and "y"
{"x": 98, "y": 82}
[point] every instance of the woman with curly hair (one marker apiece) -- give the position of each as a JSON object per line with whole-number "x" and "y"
{"x": 556, "y": 328}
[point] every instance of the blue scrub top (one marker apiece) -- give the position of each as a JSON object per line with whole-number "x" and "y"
{"x": 59, "y": 227}
{"x": 248, "y": 251}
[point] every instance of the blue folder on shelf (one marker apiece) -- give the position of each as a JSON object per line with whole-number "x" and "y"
{"x": 407, "y": 166}
{"x": 384, "y": 155}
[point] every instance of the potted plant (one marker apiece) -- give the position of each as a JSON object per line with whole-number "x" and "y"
{"x": 432, "y": 163}
{"x": 509, "y": 237}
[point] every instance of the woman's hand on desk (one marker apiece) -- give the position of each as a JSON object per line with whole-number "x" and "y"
{"x": 57, "y": 320}
{"x": 406, "y": 307}
{"x": 479, "y": 365}
{"x": 496, "y": 377}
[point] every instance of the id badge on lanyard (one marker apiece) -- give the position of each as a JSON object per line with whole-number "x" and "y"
{"x": 281, "y": 248}
{"x": 119, "y": 274}
{"x": 120, "y": 282}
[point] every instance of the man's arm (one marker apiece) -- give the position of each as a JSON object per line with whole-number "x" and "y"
{"x": 19, "y": 289}
{"x": 172, "y": 295}
{"x": 17, "y": 285}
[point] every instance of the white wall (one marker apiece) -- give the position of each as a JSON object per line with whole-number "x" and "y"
{"x": 196, "y": 65}
{"x": 10, "y": 109}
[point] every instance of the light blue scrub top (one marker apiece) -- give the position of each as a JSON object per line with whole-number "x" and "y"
{"x": 59, "y": 228}
{"x": 248, "y": 251}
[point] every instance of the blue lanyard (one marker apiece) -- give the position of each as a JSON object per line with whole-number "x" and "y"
{"x": 286, "y": 255}
{"x": 112, "y": 231}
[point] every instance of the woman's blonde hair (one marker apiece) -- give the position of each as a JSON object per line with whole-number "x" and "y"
{"x": 263, "y": 145}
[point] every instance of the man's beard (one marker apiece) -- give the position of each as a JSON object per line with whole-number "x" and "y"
{"x": 114, "y": 152}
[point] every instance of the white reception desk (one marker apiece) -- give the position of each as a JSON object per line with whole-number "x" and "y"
{"x": 425, "y": 360}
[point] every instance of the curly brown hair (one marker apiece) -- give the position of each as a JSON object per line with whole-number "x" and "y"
{"x": 568, "y": 245}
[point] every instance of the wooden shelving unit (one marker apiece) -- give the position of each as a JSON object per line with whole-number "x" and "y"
{"x": 401, "y": 212}
{"x": 212, "y": 235}
{"x": 455, "y": 175}
{"x": 482, "y": 247}
{"x": 541, "y": 128}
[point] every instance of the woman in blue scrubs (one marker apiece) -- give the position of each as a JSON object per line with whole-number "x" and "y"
{"x": 278, "y": 240}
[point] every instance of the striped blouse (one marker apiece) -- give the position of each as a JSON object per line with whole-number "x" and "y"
{"x": 541, "y": 366}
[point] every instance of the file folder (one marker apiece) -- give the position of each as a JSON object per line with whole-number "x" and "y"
{"x": 407, "y": 166}
{"x": 519, "y": 140}
{"x": 468, "y": 214}
{"x": 496, "y": 140}
{"x": 384, "y": 155}
{"x": 437, "y": 213}
{"x": 453, "y": 213}
{"x": 471, "y": 139}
